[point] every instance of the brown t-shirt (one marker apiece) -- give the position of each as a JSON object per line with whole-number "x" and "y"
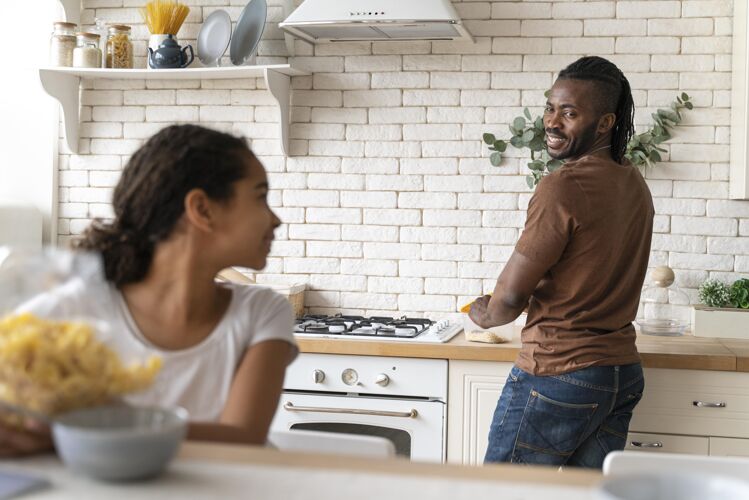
{"x": 590, "y": 222}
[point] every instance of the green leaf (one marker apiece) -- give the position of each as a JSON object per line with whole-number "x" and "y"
{"x": 528, "y": 136}
{"x": 519, "y": 123}
{"x": 684, "y": 96}
{"x": 654, "y": 155}
{"x": 527, "y": 114}
{"x": 539, "y": 124}
{"x": 517, "y": 141}
{"x": 489, "y": 139}
{"x": 547, "y": 93}
{"x": 537, "y": 144}
{"x": 495, "y": 158}
{"x": 530, "y": 180}
{"x": 500, "y": 146}
{"x": 688, "y": 105}
{"x": 537, "y": 165}
{"x": 554, "y": 164}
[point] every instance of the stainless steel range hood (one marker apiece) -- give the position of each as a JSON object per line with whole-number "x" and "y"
{"x": 375, "y": 20}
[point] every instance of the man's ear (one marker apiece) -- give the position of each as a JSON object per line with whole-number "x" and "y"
{"x": 606, "y": 123}
{"x": 199, "y": 210}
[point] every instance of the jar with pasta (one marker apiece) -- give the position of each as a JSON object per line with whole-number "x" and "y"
{"x": 61, "y": 44}
{"x": 87, "y": 53}
{"x": 119, "y": 47}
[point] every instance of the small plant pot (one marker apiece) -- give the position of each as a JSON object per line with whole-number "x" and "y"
{"x": 720, "y": 322}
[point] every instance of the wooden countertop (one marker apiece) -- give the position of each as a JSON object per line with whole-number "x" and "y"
{"x": 687, "y": 352}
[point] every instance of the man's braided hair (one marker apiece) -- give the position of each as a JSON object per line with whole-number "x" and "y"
{"x": 615, "y": 96}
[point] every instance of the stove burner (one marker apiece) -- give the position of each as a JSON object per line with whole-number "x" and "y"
{"x": 374, "y": 326}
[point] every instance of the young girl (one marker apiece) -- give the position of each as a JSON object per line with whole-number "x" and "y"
{"x": 190, "y": 202}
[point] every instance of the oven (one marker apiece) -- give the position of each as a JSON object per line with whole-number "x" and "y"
{"x": 400, "y": 399}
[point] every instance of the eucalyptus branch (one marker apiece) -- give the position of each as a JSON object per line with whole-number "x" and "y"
{"x": 642, "y": 151}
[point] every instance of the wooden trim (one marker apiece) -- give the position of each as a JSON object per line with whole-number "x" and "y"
{"x": 687, "y": 352}
{"x": 255, "y": 455}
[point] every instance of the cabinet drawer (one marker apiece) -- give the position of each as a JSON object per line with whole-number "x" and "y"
{"x": 668, "y": 443}
{"x": 729, "y": 447}
{"x": 694, "y": 402}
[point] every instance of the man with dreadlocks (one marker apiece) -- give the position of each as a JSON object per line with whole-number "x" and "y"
{"x": 578, "y": 266}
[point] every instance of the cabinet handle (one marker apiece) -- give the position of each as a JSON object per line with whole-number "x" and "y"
{"x": 640, "y": 444}
{"x": 702, "y": 404}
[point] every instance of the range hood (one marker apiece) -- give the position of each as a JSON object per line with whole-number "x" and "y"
{"x": 375, "y": 20}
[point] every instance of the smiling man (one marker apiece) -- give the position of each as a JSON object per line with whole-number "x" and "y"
{"x": 578, "y": 267}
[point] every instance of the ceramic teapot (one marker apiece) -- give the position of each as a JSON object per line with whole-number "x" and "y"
{"x": 169, "y": 55}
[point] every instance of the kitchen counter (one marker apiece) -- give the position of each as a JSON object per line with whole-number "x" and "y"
{"x": 206, "y": 470}
{"x": 686, "y": 352}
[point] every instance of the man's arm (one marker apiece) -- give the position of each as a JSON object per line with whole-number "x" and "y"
{"x": 516, "y": 283}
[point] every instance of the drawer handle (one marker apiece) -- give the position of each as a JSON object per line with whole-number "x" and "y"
{"x": 702, "y": 404}
{"x": 640, "y": 444}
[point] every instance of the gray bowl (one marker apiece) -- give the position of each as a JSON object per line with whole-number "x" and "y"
{"x": 118, "y": 443}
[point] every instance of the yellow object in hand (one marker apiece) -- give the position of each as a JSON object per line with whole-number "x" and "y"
{"x": 467, "y": 307}
{"x": 56, "y": 366}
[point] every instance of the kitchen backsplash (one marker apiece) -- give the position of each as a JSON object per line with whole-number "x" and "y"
{"x": 389, "y": 199}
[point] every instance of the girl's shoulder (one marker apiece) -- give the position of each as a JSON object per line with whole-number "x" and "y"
{"x": 260, "y": 312}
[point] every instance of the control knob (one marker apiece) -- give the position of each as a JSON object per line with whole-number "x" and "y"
{"x": 318, "y": 376}
{"x": 382, "y": 380}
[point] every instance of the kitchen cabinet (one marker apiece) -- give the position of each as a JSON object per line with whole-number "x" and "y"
{"x": 739, "y": 174}
{"x": 682, "y": 411}
{"x": 473, "y": 391}
{"x": 729, "y": 447}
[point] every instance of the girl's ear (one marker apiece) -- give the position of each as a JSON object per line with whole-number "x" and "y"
{"x": 199, "y": 210}
{"x": 606, "y": 123}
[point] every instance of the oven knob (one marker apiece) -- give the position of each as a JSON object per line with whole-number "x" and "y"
{"x": 349, "y": 376}
{"x": 318, "y": 376}
{"x": 382, "y": 380}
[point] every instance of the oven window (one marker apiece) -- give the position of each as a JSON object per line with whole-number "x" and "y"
{"x": 400, "y": 438}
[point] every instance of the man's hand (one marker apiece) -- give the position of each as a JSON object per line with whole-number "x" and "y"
{"x": 33, "y": 438}
{"x": 479, "y": 311}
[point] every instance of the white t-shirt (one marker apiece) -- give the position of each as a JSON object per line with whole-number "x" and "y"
{"x": 197, "y": 378}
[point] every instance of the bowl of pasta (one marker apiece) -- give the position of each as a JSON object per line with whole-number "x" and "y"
{"x": 63, "y": 372}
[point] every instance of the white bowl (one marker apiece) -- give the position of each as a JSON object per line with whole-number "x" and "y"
{"x": 672, "y": 486}
{"x": 119, "y": 442}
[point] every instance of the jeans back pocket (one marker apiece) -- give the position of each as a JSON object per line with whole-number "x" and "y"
{"x": 550, "y": 430}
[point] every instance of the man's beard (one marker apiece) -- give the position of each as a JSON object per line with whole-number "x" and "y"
{"x": 582, "y": 145}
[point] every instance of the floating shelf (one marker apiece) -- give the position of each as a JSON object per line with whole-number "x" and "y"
{"x": 63, "y": 84}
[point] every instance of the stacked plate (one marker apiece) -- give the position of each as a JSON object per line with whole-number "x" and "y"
{"x": 216, "y": 35}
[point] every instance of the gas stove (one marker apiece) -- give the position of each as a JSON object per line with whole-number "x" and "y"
{"x": 403, "y": 329}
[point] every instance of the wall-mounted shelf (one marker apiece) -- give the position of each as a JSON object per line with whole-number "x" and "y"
{"x": 63, "y": 84}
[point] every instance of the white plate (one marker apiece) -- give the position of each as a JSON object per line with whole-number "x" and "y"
{"x": 214, "y": 37}
{"x": 247, "y": 34}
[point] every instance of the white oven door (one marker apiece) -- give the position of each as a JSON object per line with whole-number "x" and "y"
{"x": 415, "y": 427}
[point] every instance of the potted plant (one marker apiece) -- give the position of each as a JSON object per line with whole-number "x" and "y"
{"x": 643, "y": 149}
{"x": 723, "y": 310}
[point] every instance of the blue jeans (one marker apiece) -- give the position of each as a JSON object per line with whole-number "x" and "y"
{"x": 573, "y": 419}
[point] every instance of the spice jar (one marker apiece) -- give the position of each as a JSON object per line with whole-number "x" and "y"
{"x": 61, "y": 44}
{"x": 87, "y": 54}
{"x": 119, "y": 47}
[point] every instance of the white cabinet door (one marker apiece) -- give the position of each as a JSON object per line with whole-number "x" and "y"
{"x": 668, "y": 443}
{"x": 473, "y": 391}
{"x": 729, "y": 447}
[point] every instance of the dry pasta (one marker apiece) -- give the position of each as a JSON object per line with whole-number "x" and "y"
{"x": 55, "y": 366}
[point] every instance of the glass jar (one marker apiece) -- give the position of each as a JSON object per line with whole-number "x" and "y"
{"x": 119, "y": 47}
{"x": 62, "y": 44}
{"x": 664, "y": 307}
{"x": 86, "y": 53}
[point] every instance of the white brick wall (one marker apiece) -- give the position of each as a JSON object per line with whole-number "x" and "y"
{"x": 390, "y": 202}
